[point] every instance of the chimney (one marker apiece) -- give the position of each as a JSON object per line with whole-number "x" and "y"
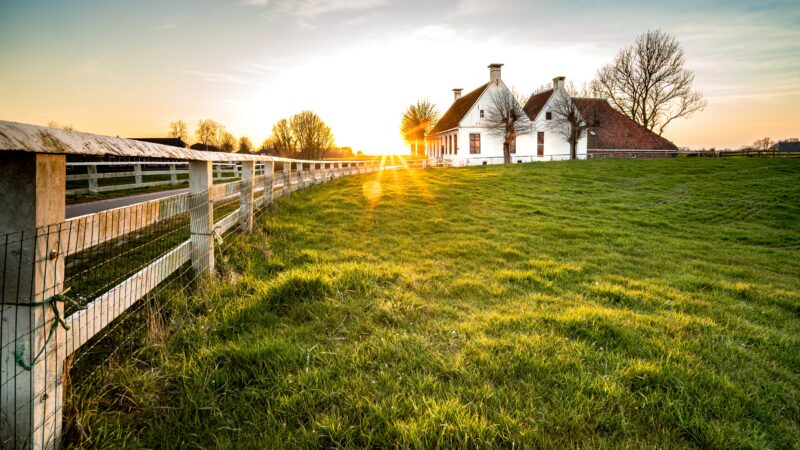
{"x": 494, "y": 72}
{"x": 457, "y": 94}
{"x": 558, "y": 82}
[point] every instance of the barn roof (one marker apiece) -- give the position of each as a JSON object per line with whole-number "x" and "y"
{"x": 617, "y": 131}
{"x": 458, "y": 110}
{"x": 786, "y": 146}
{"x": 173, "y": 142}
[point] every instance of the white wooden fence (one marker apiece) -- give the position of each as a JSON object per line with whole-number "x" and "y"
{"x": 98, "y": 177}
{"x": 36, "y": 242}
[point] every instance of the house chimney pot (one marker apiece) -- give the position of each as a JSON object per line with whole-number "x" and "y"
{"x": 494, "y": 72}
{"x": 457, "y": 93}
{"x": 558, "y": 82}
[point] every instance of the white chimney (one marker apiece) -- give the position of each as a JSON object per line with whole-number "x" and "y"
{"x": 558, "y": 82}
{"x": 457, "y": 94}
{"x": 494, "y": 72}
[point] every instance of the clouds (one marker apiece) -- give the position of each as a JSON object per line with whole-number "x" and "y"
{"x": 314, "y": 8}
{"x": 249, "y": 62}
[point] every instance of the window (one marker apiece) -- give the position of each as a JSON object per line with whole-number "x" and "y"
{"x": 474, "y": 143}
{"x": 481, "y": 114}
{"x": 548, "y": 115}
{"x": 540, "y": 143}
{"x": 455, "y": 144}
{"x": 512, "y": 146}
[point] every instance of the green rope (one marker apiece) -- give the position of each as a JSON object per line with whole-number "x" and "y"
{"x": 53, "y": 301}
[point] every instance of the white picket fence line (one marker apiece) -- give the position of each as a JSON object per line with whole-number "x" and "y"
{"x": 178, "y": 173}
{"x": 33, "y": 177}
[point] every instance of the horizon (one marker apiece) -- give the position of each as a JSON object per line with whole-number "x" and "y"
{"x": 129, "y": 70}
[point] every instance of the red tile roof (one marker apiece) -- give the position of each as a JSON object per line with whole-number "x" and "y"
{"x": 617, "y": 131}
{"x": 458, "y": 110}
{"x": 536, "y": 103}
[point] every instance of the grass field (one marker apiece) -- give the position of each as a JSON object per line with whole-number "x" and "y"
{"x": 610, "y": 303}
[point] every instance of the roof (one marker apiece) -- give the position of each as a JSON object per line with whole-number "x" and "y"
{"x": 536, "y": 103}
{"x": 617, "y": 131}
{"x": 206, "y": 147}
{"x": 787, "y": 146}
{"x": 173, "y": 142}
{"x": 455, "y": 114}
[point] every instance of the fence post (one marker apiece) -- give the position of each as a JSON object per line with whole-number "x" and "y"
{"x": 173, "y": 174}
{"x": 287, "y": 168}
{"x": 34, "y": 186}
{"x": 91, "y": 170}
{"x": 246, "y": 197}
{"x": 201, "y": 216}
{"x": 137, "y": 174}
{"x": 269, "y": 170}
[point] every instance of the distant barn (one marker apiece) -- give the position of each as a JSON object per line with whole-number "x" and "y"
{"x": 786, "y": 146}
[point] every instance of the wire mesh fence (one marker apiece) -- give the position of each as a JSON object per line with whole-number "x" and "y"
{"x": 96, "y": 290}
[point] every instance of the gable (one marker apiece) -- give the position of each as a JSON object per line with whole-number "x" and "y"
{"x": 536, "y": 102}
{"x": 455, "y": 114}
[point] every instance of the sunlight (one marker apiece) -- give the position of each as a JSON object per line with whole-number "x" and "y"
{"x": 372, "y": 188}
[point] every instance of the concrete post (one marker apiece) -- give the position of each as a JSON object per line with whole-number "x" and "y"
{"x": 31, "y": 271}
{"x": 91, "y": 170}
{"x": 269, "y": 177}
{"x": 300, "y": 175}
{"x": 287, "y": 178}
{"x": 137, "y": 174}
{"x": 173, "y": 174}
{"x": 246, "y": 197}
{"x": 201, "y": 217}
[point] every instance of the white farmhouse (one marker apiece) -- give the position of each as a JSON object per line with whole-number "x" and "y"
{"x": 462, "y": 135}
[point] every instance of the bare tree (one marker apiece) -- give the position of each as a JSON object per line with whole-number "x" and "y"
{"x": 570, "y": 123}
{"x": 505, "y": 118}
{"x": 648, "y": 82}
{"x": 418, "y": 119}
{"x": 224, "y": 140}
{"x": 206, "y": 132}
{"x": 282, "y": 141}
{"x": 312, "y": 135}
{"x": 245, "y": 145}
{"x": 54, "y": 124}
{"x": 178, "y": 129}
{"x": 763, "y": 144}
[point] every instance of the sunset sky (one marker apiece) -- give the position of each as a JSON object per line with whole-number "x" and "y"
{"x": 129, "y": 68}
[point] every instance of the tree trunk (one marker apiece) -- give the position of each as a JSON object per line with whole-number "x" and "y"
{"x": 506, "y": 153}
{"x": 573, "y": 150}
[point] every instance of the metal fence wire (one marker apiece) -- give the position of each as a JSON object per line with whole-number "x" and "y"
{"x": 91, "y": 290}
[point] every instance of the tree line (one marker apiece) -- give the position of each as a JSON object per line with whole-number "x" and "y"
{"x": 646, "y": 81}
{"x": 304, "y": 135}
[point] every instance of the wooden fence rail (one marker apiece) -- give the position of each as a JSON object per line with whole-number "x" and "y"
{"x": 41, "y": 252}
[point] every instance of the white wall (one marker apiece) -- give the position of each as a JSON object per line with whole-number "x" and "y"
{"x": 555, "y": 147}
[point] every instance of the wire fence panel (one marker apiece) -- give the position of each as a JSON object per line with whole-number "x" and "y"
{"x": 89, "y": 291}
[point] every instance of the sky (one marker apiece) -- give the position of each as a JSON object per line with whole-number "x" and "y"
{"x": 129, "y": 68}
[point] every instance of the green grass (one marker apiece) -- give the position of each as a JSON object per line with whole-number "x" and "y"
{"x": 609, "y": 303}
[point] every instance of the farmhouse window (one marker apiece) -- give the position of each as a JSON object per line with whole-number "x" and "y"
{"x": 540, "y": 143}
{"x": 475, "y": 143}
{"x": 455, "y": 144}
{"x": 481, "y": 114}
{"x": 512, "y": 146}
{"x": 548, "y": 115}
